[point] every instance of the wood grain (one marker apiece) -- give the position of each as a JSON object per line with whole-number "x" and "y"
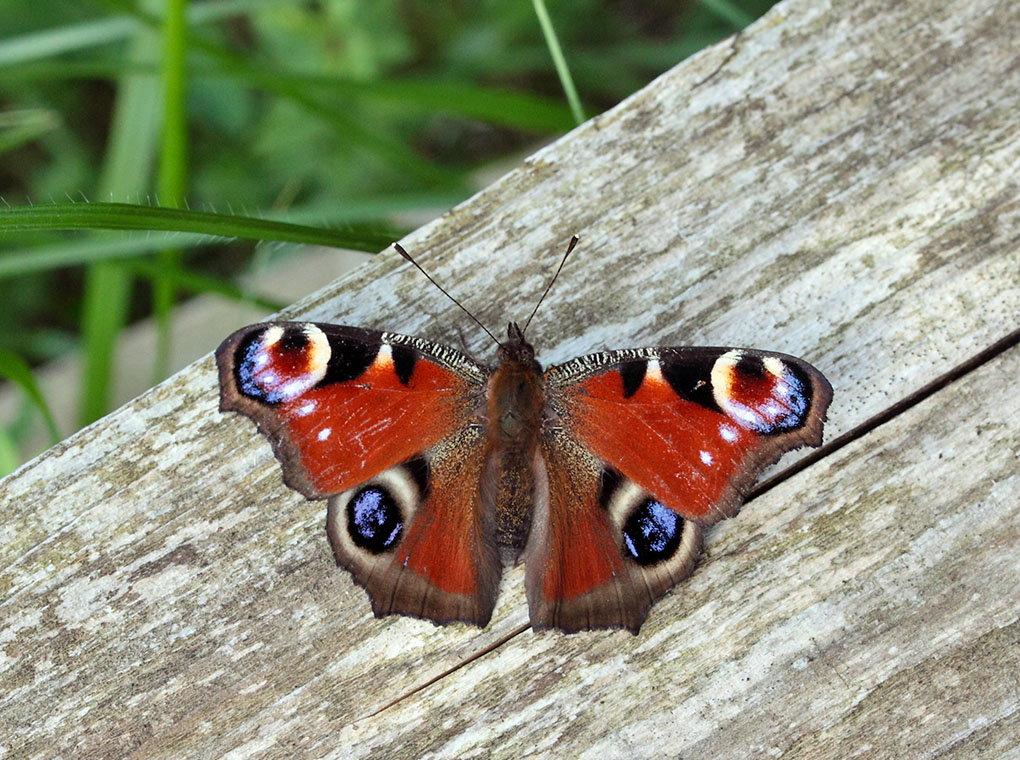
{"x": 840, "y": 182}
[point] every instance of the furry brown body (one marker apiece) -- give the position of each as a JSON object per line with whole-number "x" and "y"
{"x": 516, "y": 401}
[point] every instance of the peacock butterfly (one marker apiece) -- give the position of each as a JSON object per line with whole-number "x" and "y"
{"x": 601, "y": 473}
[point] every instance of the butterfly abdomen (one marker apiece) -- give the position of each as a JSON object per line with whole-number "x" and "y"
{"x": 515, "y": 402}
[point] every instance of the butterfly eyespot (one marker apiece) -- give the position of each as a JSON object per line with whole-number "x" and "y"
{"x": 371, "y": 520}
{"x": 278, "y": 363}
{"x": 652, "y": 533}
{"x": 374, "y": 520}
{"x": 763, "y": 394}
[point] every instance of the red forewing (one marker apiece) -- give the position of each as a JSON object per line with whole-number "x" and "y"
{"x": 340, "y": 404}
{"x": 693, "y": 426}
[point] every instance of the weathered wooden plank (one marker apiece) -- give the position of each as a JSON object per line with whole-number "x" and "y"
{"x": 838, "y": 182}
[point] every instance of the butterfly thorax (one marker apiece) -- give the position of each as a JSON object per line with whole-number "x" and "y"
{"x": 516, "y": 399}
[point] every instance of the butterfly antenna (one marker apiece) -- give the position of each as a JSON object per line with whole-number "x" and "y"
{"x": 570, "y": 247}
{"x": 408, "y": 257}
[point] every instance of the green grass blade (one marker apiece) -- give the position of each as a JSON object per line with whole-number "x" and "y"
{"x": 507, "y": 108}
{"x": 104, "y": 312}
{"x": 95, "y": 248}
{"x": 9, "y": 457}
{"x": 129, "y": 252}
{"x": 130, "y": 245}
{"x": 173, "y": 163}
{"x": 50, "y": 42}
{"x": 562, "y": 70}
{"x": 129, "y": 216}
{"x": 504, "y": 107}
{"x": 15, "y": 369}
{"x": 125, "y": 174}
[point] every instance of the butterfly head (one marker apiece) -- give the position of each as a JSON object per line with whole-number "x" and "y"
{"x": 517, "y": 350}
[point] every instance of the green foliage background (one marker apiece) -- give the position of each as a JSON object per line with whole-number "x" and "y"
{"x": 341, "y": 114}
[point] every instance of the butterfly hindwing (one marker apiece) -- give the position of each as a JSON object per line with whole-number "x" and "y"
{"x": 386, "y": 427}
{"x": 579, "y": 574}
{"x": 418, "y": 538}
{"x": 648, "y": 446}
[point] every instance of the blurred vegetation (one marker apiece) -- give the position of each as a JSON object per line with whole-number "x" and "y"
{"x": 342, "y": 114}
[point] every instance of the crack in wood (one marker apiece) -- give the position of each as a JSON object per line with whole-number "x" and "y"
{"x": 449, "y": 671}
{"x": 734, "y": 45}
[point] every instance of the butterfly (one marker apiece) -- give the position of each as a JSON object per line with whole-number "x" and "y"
{"x": 601, "y": 473}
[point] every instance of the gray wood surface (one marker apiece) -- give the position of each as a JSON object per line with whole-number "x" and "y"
{"x": 839, "y": 182}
